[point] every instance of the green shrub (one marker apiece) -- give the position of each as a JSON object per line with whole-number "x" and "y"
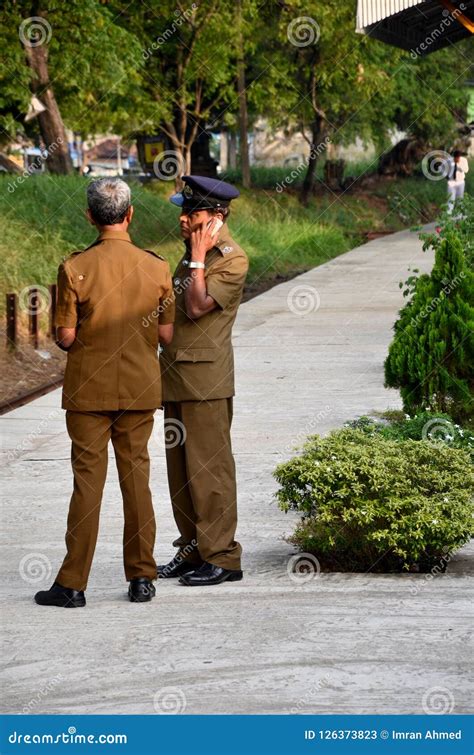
{"x": 460, "y": 222}
{"x": 430, "y": 426}
{"x": 374, "y": 504}
{"x": 431, "y": 357}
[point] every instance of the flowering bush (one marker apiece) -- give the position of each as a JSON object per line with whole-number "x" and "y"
{"x": 374, "y": 504}
{"x": 434, "y": 427}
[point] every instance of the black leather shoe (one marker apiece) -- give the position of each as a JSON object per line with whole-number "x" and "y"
{"x": 58, "y": 595}
{"x": 175, "y": 568}
{"x": 141, "y": 590}
{"x": 210, "y": 574}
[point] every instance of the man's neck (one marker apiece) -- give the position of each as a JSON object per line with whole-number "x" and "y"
{"x": 118, "y": 227}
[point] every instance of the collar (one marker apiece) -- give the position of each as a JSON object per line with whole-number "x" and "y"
{"x": 114, "y": 236}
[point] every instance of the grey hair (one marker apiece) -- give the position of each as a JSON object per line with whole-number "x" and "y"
{"x": 108, "y": 200}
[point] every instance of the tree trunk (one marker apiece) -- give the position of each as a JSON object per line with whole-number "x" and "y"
{"x": 50, "y": 122}
{"x": 243, "y": 112}
{"x": 317, "y": 137}
{"x": 232, "y": 150}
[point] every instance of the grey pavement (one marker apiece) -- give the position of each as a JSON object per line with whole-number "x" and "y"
{"x": 309, "y": 355}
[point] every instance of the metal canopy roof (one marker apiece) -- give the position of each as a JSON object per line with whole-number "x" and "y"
{"x": 420, "y": 26}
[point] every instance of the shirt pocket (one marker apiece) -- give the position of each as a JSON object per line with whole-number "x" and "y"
{"x": 196, "y": 355}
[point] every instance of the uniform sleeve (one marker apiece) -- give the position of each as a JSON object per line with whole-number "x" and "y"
{"x": 465, "y": 165}
{"x": 167, "y": 302}
{"x": 226, "y": 279}
{"x": 66, "y": 307}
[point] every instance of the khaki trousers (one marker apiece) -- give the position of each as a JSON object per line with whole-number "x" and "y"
{"x": 201, "y": 478}
{"x": 90, "y": 433}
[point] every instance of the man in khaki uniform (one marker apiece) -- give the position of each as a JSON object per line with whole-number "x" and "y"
{"x": 198, "y": 385}
{"x": 115, "y": 302}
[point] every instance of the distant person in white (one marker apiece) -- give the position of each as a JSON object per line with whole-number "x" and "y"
{"x": 456, "y": 178}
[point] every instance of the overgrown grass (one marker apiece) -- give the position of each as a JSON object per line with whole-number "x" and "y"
{"x": 269, "y": 178}
{"x": 43, "y": 221}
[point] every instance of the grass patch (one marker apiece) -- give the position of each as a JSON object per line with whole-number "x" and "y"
{"x": 43, "y": 221}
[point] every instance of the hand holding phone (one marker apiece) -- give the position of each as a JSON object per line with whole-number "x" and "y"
{"x": 216, "y": 224}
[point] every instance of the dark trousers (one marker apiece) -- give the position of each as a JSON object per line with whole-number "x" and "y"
{"x": 201, "y": 478}
{"x": 90, "y": 433}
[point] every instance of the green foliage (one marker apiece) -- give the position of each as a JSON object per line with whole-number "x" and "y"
{"x": 460, "y": 222}
{"x": 96, "y": 85}
{"x": 432, "y": 354}
{"x": 429, "y": 97}
{"x": 268, "y": 178}
{"x": 374, "y": 504}
{"x": 43, "y": 220}
{"x": 435, "y": 427}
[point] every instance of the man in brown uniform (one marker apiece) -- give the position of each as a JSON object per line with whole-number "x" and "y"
{"x": 198, "y": 385}
{"x": 115, "y": 302}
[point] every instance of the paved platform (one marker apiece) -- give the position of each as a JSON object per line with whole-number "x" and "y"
{"x": 337, "y": 644}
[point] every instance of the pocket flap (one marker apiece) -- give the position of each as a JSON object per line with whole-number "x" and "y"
{"x": 196, "y": 355}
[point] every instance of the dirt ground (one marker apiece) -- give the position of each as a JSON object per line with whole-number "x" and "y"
{"x": 26, "y": 369}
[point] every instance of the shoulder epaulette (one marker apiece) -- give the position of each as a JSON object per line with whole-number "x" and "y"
{"x": 155, "y": 254}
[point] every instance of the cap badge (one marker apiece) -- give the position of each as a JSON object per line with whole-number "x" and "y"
{"x": 188, "y": 192}
{"x": 227, "y": 249}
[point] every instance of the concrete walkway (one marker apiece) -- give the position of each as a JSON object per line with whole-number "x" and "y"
{"x": 337, "y": 644}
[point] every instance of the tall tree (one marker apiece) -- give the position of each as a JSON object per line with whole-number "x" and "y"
{"x": 186, "y": 66}
{"x": 242, "y": 94}
{"x": 88, "y": 88}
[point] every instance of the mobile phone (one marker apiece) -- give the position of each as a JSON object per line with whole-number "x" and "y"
{"x": 217, "y": 223}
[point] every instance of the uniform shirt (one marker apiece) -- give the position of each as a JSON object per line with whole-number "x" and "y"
{"x": 115, "y": 294}
{"x": 199, "y": 363}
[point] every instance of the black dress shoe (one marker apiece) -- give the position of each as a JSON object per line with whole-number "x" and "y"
{"x": 141, "y": 590}
{"x": 175, "y": 568}
{"x": 210, "y": 574}
{"x": 58, "y": 595}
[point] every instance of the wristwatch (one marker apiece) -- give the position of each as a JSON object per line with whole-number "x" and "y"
{"x": 199, "y": 265}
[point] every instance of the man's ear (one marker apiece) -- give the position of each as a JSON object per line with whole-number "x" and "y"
{"x": 129, "y": 215}
{"x": 89, "y": 217}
